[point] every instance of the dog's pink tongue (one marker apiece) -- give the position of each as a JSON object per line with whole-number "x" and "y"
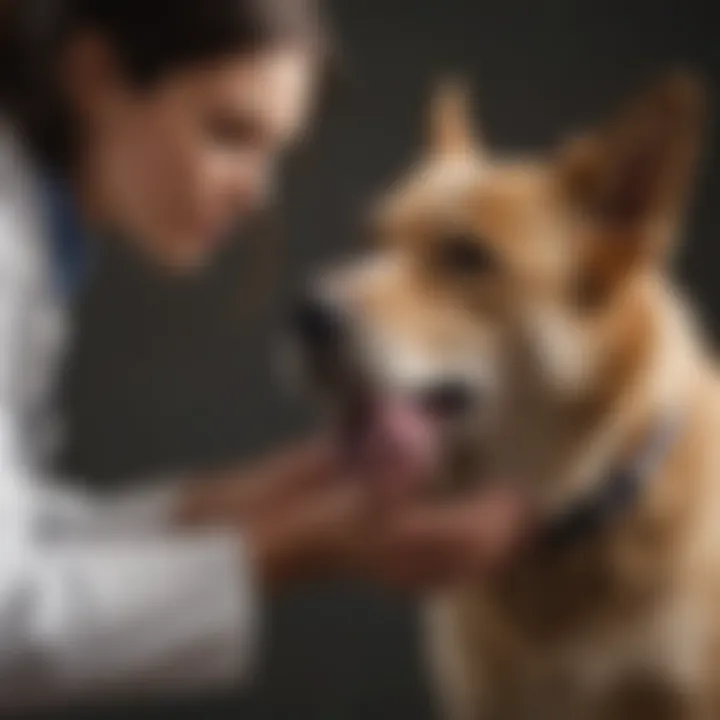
{"x": 399, "y": 446}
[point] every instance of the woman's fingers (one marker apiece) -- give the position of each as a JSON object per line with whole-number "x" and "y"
{"x": 485, "y": 524}
{"x": 434, "y": 544}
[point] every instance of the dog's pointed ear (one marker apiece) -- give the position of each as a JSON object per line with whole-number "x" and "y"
{"x": 638, "y": 168}
{"x": 451, "y": 119}
{"x": 629, "y": 182}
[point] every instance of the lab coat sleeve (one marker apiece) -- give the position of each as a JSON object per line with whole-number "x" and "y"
{"x": 104, "y": 595}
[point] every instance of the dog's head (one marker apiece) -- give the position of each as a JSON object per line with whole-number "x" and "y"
{"x": 492, "y": 274}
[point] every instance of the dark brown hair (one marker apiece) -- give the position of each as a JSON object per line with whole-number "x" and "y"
{"x": 150, "y": 37}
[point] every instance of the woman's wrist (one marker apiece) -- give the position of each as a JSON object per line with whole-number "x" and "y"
{"x": 297, "y": 540}
{"x": 305, "y": 541}
{"x": 201, "y": 504}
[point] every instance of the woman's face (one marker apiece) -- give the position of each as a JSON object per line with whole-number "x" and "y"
{"x": 176, "y": 165}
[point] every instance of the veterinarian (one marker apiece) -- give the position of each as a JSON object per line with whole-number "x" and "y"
{"x": 162, "y": 122}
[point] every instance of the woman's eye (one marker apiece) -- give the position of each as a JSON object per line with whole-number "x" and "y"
{"x": 466, "y": 255}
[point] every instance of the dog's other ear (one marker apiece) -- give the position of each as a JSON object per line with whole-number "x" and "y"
{"x": 451, "y": 121}
{"x": 638, "y": 168}
{"x": 629, "y": 182}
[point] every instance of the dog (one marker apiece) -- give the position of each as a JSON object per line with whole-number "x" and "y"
{"x": 515, "y": 317}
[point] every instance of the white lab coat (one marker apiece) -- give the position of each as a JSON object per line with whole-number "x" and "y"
{"x": 96, "y": 595}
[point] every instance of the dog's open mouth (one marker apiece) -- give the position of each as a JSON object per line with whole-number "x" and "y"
{"x": 394, "y": 436}
{"x": 393, "y": 440}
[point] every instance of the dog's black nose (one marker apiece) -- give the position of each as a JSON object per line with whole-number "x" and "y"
{"x": 318, "y": 325}
{"x": 448, "y": 398}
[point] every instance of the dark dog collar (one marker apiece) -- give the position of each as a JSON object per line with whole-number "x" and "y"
{"x": 596, "y": 511}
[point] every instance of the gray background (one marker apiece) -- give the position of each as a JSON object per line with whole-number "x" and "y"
{"x": 170, "y": 374}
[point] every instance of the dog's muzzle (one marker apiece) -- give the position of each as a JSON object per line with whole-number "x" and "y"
{"x": 378, "y": 425}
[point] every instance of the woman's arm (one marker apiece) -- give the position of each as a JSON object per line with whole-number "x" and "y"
{"x": 102, "y": 593}
{"x": 77, "y": 613}
{"x": 144, "y": 591}
{"x": 84, "y": 613}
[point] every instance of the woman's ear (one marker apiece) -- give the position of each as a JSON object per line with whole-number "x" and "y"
{"x": 638, "y": 168}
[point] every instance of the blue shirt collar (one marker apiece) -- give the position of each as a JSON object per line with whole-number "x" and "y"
{"x": 70, "y": 246}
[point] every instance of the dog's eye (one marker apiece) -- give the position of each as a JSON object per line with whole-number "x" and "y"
{"x": 463, "y": 254}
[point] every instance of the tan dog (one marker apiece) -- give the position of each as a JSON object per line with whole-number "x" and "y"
{"x": 517, "y": 318}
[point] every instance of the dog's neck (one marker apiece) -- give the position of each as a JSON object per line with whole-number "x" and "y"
{"x": 561, "y": 445}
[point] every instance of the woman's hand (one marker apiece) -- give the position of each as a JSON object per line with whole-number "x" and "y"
{"x": 337, "y": 530}
{"x": 302, "y": 518}
{"x": 293, "y": 511}
{"x": 423, "y": 546}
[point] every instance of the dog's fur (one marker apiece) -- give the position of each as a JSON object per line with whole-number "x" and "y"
{"x": 567, "y": 324}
